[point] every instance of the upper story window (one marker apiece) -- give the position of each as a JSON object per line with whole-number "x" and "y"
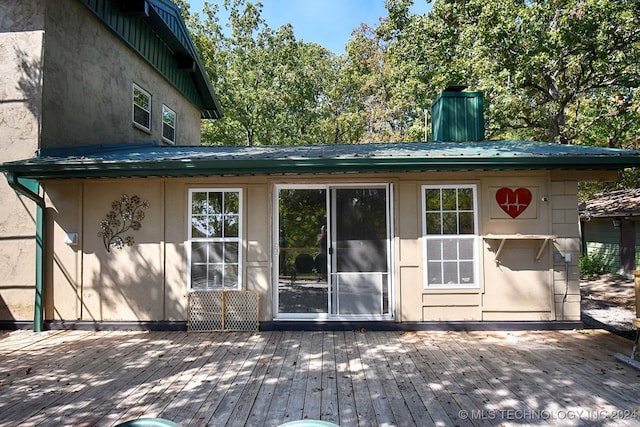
{"x": 141, "y": 108}
{"x": 168, "y": 125}
{"x": 450, "y": 236}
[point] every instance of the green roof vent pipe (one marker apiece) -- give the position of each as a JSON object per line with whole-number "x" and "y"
{"x": 457, "y": 115}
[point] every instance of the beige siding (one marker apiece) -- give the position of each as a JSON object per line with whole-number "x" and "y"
{"x": 149, "y": 280}
{"x": 64, "y": 285}
{"x": 566, "y": 276}
{"x": 175, "y": 232}
{"x": 123, "y": 284}
{"x": 258, "y": 230}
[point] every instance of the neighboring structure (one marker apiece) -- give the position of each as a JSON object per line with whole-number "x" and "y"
{"x": 609, "y": 229}
{"x": 78, "y": 73}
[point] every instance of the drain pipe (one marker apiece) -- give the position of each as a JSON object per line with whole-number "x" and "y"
{"x": 567, "y": 260}
{"x": 20, "y": 188}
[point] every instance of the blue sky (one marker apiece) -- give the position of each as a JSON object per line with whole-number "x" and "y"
{"x": 326, "y": 22}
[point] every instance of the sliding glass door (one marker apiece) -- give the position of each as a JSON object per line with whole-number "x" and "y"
{"x": 333, "y": 252}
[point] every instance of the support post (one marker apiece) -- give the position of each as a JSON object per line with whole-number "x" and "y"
{"x": 30, "y": 189}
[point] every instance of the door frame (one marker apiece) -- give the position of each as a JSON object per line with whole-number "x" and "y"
{"x": 276, "y": 250}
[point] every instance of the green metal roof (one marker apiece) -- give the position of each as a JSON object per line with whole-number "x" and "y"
{"x": 150, "y": 159}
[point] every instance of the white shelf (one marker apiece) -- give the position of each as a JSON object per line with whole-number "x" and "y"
{"x": 543, "y": 238}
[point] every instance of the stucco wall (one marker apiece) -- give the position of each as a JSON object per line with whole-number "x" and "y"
{"x": 89, "y": 75}
{"x": 148, "y": 281}
{"x": 66, "y": 81}
{"x": 21, "y": 38}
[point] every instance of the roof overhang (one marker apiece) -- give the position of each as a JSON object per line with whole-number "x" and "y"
{"x": 152, "y": 160}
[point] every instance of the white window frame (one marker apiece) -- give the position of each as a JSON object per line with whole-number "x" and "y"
{"x": 134, "y": 105}
{"x": 168, "y": 110}
{"x": 474, "y": 238}
{"x": 223, "y": 239}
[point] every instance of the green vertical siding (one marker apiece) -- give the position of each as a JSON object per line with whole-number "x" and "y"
{"x": 458, "y": 116}
{"x": 603, "y": 239}
{"x": 139, "y": 35}
{"x": 637, "y": 249}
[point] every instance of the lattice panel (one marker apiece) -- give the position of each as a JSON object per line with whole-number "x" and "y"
{"x": 223, "y": 311}
{"x": 241, "y": 311}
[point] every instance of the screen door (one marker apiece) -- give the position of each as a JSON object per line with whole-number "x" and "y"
{"x": 333, "y": 252}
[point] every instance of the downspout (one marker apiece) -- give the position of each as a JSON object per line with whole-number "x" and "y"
{"x": 20, "y": 188}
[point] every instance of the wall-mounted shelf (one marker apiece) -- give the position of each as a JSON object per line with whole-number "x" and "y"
{"x": 543, "y": 238}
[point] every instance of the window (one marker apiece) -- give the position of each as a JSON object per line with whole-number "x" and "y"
{"x": 450, "y": 236}
{"x": 168, "y": 125}
{"x": 141, "y": 108}
{"x": 215, "y": 239}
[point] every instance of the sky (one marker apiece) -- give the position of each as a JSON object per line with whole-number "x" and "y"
{"x": 326, "y": 22}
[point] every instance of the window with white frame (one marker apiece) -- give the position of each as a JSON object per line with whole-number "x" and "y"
{"x": 450, "y": 235}
{"x": 168, "y": 125}
{"x": 141, "y": 108}
{"x": 215, "y": 232}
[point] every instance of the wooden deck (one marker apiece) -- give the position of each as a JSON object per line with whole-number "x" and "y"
{"x": 73, "y": 378}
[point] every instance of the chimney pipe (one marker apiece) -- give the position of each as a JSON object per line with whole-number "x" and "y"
{"x": 457, "y": 115}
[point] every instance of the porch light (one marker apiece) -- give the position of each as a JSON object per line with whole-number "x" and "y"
{"x": 616, "y": 223}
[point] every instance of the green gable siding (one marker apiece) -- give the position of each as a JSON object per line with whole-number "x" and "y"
{"x": 141, "y": 37}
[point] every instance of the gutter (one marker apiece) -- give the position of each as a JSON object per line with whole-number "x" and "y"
{"x": 20, "y": 188}
{"x": 99, "y": 168}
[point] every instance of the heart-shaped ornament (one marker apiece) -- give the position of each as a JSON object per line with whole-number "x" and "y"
{"x": 513, "y": 202}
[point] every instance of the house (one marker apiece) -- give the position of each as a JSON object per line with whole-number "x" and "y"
{"x": 455, "y": 232}
{"x": 78, "y": 73}
{"x": 608, "y": 222}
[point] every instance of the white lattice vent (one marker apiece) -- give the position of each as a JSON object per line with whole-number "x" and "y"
{"x": 211, "y": 311}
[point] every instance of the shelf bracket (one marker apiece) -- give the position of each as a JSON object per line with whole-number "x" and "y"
{"x": 504, "y": 237}
{"x": 499, "y": 251}
{"x": 542, "y": 246}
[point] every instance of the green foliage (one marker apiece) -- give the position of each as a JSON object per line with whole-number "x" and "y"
{"x": 552, "y": 70}
{"x": 592, "y": 264}
{"x": 273, "y": 88}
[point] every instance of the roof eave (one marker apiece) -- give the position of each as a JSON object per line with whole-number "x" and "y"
{"x": 177, "y": 168}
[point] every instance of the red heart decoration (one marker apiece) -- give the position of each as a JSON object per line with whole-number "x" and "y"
{"x": 513, "y": 202}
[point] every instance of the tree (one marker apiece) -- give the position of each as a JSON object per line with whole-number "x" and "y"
{"x": 547, "y": 67}
{"x": 387, "y": 97}
{"x": 272, "y": 86}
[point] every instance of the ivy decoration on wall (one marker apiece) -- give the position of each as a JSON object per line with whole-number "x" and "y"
{"x": 126, "y": 214}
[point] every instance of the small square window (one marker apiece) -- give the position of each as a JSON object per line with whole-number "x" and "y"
{"x": 168, "y": 125}
{"x": 141, "y": 108}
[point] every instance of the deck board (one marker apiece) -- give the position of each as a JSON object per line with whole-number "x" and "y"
{"x": 347, "y": 414}
{"x": 350, "y": 378}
